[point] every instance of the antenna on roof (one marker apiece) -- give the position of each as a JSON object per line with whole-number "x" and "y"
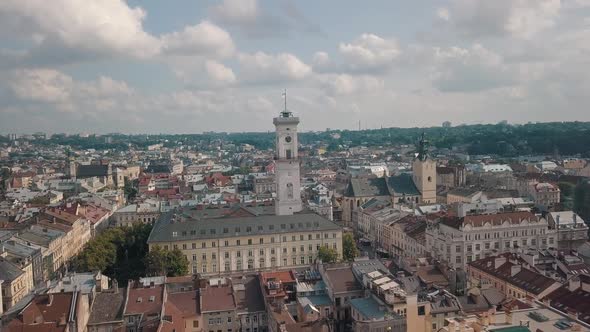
{"x": 285, "y": 113}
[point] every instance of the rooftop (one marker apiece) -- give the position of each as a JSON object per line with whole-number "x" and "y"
{"x": 217, "y": 298}
{"x": 342, "y": 280}
{"x": 170, "y": 227}
{"x": 107, "y": 307}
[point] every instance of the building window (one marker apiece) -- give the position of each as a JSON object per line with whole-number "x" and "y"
{"x": 261, "y": 241}
{"x": 194, "y": 246}
{"x": 249, "y": 241}
{"x": 421, "y": 310}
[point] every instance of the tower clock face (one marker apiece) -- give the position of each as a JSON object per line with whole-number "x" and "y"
{"x": 288, "y": 139}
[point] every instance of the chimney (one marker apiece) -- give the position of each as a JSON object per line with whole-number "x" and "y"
{"x": 49, "y": 300}
{"x": 515, "y": 269}
{"x": 509, "y": 316}
{"x": 115, "y": 286}
{"x": 452, "y": 327}
{"x": 499, "y": 261}
{"x": 557, "y": 220}
{"x": 62, "y": 320}
{"x": 574, "y": 283}
{"x": 575, "y": 217}
{"x": 462, "y": 325}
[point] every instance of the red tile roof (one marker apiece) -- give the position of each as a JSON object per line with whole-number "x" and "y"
{"x": 138, "y": 301}
{"x": 217, "y": 298}
{"x": 48, "y": 312}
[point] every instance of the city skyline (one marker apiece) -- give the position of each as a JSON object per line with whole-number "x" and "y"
{"x": 191, "y": 67}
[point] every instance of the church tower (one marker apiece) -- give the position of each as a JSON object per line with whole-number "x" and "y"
{"x": 288, "y": 199}
{"x": 424, "y": 172}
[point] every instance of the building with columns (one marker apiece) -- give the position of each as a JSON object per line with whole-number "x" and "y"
{"x": 288, "y": 199}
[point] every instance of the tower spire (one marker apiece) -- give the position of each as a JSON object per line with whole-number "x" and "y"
{"x": 423, "y": 147}
{"x": 285, "y": 113}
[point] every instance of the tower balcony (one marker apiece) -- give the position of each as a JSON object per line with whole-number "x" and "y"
{"x": 291, "y": 120}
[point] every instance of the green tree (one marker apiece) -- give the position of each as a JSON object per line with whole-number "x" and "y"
{"x": 177, "y": 264}
{"x": 567, "y": 189}
{"x": 582, "y": 200}
{"x": 163, "y": 262}
{"x": 349, "y": 249}
{"x": 129, "y": 189}
{"x": 328, "y": 255}
{"x": 117, "y": 252}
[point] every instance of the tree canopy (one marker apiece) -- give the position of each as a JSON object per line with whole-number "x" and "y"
{"x": 349, "y": 249}
{"x": 159, "y": 262}
{"x": 328, "y": 255}
{"x": 122, "y": 253}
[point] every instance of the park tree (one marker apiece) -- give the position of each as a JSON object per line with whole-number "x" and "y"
{"x": 160, "y": 262}
{"x": 349, "y": 249}
{"x": 582, "y": 200}
{"x": 328, "y": 255}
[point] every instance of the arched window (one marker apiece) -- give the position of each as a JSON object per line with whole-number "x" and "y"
{"x": 430, "y": 179}
{"x": 290, "y": 190}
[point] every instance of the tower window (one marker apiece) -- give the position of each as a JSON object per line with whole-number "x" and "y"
{"x": 288, "y": 153}
{"x": 289, "y": 190}
{"x": 430, "y": 179}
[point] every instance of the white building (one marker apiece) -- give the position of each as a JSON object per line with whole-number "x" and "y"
{"x": 288, "y": 199}
{"x": 458, "y": 241}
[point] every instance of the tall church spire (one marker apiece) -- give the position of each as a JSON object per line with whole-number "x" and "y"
{"x": 422, "y": 148}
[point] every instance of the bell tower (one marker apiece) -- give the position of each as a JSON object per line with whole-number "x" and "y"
{"x": 288, "y": 199}
{"x": 424, "y": 172}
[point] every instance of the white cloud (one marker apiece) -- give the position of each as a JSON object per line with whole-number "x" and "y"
{"x": 262, "y": 67}
{"x": 63, "y": 32}
{"x": 321, "y": 59}
{"x": 517, "y": 18}
{"x": 469, "y": 69}
{"x": 93, "y": 26}
{"x": 205, "y": 39}
{"x": 219, "y": 73}
{"x": 237, "y": 11}
{"x": 443, "y": 14}
{"x": 370, "y": 51}
{"x": 42, "y": 85}
{"x": 345, "y": 84}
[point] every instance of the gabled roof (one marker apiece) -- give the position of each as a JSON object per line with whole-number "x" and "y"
{"x": 402, "y": 185}
{"x": 363, "y": 187}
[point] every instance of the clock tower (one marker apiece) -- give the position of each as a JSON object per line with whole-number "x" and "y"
{"x": 288, "y": 200}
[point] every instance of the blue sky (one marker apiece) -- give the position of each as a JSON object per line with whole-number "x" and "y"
{"x": 191, "y": 66}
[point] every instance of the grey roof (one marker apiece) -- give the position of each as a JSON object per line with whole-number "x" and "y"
{"x": 403, "y": 185}
{"x": 464, "y": 192}
{"x": 187, "y": 228}
{"x": 249, "y": 297}
{"x": 19, "y": 249}
{"x": 315, "y": 300}
{"x": 493, "y": 295}
{"x": 372, "y": 310}
{"x": 361, "y": 267}
{"x": 9, "y": 271}
{"x": 107, "y": 307}
{"x": 471, "y": 303}
{"x": 88, "y": 171}
{"x": 362, "y": 187}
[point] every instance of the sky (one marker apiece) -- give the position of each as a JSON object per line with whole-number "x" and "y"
{"x": 180, "y": 66}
